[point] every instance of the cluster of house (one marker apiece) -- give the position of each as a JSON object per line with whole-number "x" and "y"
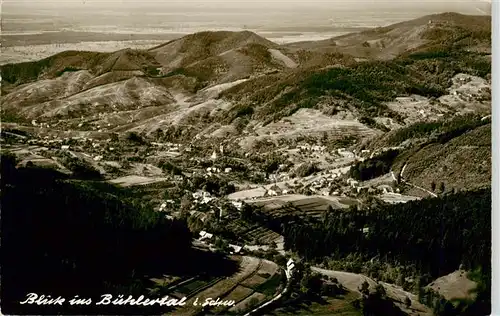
{"x": 214, "y": 170}
{"x": 463, "y": 79}
{"x": 202, "y": 197}
{"x": 207, "y": 238}
{"x": 82, "y": 141}
{"x": 276, "y": 190}
{"x": 465, "y": 96}
{"x": 345, "y": 153}
{"x": 78, "y": 143}
{"x": 41, "y": 125}
{"x": 193, "y": 212}
{"x": 171, "y": 147}
{"x": 322, "y": 185}
{"x": 380, "y": 189}
{"x": 163, "y": 206}
{"x": 279, "y": 177}
{"x": 313, "y": 148}
{"x": 45, "y": 141}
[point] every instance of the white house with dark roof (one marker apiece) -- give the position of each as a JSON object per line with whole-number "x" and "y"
{"x": 205, "y": 235}
{"x": 290, "y": 266}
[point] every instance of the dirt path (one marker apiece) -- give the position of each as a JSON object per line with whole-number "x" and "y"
{"x": 413, "y": 185}
{"x": 410, "y": 184}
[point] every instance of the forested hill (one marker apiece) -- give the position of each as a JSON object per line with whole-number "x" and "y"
{"x": 62, "y": 237}
{"x": 434, "y": 235}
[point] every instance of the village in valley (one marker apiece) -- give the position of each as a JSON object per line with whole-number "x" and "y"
{"x": 207, "y": 190}
{"x": 291, "y": 179}
{"x": 310, "y": 180}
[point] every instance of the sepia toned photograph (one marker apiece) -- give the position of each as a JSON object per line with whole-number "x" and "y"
{"x": 253, "y": 158}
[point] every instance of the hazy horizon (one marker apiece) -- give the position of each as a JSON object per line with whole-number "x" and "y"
{"x": 192, "y": 15}
{"x": 114, "y": 24}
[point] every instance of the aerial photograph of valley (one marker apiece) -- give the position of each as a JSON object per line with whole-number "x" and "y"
{"x": 260, "y": 158}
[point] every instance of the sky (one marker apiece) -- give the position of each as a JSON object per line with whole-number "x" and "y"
{"x": 256, "y": 14}
{"x": 237, "y": 3}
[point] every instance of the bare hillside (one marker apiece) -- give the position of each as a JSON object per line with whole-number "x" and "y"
{"x": 126, "y": 95}
{"x": 388, "y": 42}
{"x": 223, "y": 84}
{"x": 195, "y": 47}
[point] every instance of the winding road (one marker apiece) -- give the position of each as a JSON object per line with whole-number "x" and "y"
{"x": 410, "y": 184}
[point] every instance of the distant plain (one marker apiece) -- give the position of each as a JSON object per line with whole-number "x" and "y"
{"x": 44, "y": 30}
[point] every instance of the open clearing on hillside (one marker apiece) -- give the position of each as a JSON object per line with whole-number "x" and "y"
{"x": 283, "y": 58}
{"x": 214, "y": 91}
{"x": 417, "y": 108}
{"x": 307, "y": 122}
{"x": 353, "y": 281}
{"x": 311, "y": 120}
{"x": 135, "y": 180}
{"x": 455, "y": 285}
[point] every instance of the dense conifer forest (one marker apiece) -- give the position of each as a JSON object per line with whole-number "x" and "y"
{"x": 66, "y": 237}
{"x": 435, "y": 235}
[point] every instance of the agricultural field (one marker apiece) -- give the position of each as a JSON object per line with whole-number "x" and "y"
{"x": 252, "y": 234}
{"x": 256, "y": 278}
{"x": 327, "y": 306}
{"x": 301, "y": 205}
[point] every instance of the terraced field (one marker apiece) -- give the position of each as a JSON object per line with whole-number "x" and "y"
{"x": 307, "y": 122}
{"x": 300, "y": 205}
{"x": 262, "y": 234}
{"x": 242, "y": 306}
{"x": 254, "y": 274}
{"x": 250, "y": 233}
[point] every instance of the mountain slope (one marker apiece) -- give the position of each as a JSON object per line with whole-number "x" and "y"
{"x": 390, "y": 41}
{"x": 454, "y": 151}
{"x": 221, "y": 57}
{"x": 195, "y": 47}
{"x": 126, "y": 95}
{"x": 226, "y": 83}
